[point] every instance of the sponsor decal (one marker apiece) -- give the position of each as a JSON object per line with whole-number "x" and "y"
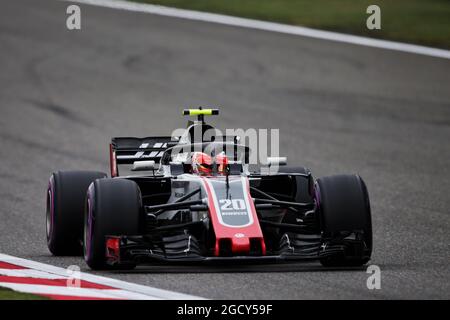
{"x": 231, "y": 202}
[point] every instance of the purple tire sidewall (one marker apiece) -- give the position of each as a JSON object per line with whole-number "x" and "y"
{"x": 51, "y": 190}
{"x": 88, "y": 236}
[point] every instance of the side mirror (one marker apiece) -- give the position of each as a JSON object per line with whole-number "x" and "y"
{"x": 276, "y": 161}
{"x": 143, "y": 165}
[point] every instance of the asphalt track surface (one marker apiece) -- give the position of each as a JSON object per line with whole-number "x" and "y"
{"x": 340, "y": 108}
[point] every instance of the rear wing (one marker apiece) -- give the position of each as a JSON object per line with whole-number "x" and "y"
{"x": 127, "y": 150}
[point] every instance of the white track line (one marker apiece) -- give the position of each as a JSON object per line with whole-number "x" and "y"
{"x": 29, "y": 273}
{"x": 150, "y": 292}
{"x": 266, "y": 26}
{"x": 75, "y": 292}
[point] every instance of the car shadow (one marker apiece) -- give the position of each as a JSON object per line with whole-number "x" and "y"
{"x": 222, "y": 267}
{"x": 240, "y": 268}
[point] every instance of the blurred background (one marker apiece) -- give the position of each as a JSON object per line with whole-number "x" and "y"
{"x": 412, "y": 21}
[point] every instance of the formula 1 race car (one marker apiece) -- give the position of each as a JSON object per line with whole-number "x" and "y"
{"x": 193, "y": 198}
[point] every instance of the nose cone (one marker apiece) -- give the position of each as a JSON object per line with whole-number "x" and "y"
{"x": 240, "y": 244}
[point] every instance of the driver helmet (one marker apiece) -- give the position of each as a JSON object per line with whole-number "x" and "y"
{"x": 201, "y": 163}
{"x": 222, "y": 163}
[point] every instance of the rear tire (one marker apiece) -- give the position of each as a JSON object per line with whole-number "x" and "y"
{"x": 113, "y": 207}
{"x": 344, "y": 207}
{"x": 66, "y": 195}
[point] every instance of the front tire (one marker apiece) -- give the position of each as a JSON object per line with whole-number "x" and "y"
{"x": 113, "y": 207}
{"x": 66, "y": 195}
{"x": 345, "y": 218}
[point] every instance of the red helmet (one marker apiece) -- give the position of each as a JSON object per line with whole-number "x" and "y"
{"x": 201, "y": 163}
{"x": 222, "y": 163}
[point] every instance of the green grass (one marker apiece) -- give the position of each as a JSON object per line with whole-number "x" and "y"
{"x": 7, "y": 294}
{"x": 425, "y": 22}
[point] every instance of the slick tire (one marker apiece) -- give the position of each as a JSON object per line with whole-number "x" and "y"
{"x": 66, "y": 194}
{"x": 344, "y": 207}
{"x": 113, "y": 207}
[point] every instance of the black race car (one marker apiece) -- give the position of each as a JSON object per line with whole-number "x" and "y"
{"x": 193, "y": 199}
